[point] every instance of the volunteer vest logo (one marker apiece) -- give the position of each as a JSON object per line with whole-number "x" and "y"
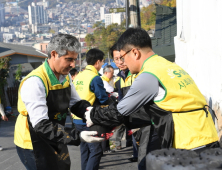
{"x": 181, "y": 74}
{"x": 59, "y": 116}
{"x": 79, "y": 83}
{"x": 102, "y": 106}
{"x": 170, "y": 73}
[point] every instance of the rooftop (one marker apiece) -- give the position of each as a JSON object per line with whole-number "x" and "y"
{"x": 7, "y": 49}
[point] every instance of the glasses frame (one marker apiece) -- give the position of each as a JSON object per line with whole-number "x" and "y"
{"x": 122, "y": 57}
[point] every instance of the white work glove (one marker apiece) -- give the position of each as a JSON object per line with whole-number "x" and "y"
{"x": 3, "y": 113}
{"x": 115, "y": 94}
{"x": 86, "y": 136}
{"x": 87, "y": 117}
{"x": 4, "y": 118}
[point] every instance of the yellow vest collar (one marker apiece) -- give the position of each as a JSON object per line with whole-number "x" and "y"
{"x": 105, "y": 78}
{"x": 92, "y": 68}
{"x": 147, "y": 59}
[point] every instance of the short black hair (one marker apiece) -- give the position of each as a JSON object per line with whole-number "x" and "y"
{"x": 73, "y": 72}
{"x": 113, "y": 48}
{"x": 137, "y": 37}
{"x": 93, "y": 55}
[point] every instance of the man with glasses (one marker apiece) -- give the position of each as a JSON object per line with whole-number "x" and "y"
{"x": 119, "y": 87}
{"x": 177, "y": 109}
{"x": 143, "y": 135}
{"x": 89, "y": 86}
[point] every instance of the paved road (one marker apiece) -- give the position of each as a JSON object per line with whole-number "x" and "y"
{"x": 9, "y": 159}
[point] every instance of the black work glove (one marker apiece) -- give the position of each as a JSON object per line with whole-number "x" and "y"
{"x": 79, "y": 109}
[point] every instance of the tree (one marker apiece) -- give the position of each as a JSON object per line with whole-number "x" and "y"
{"x": 90, "y": 40}
{"x": 103, "y": 38}
{"x": 148, "y": 14}
{"x": 18, "y": 73}
{"x": 4, "y": 69}
{"x": 170, "y": 3}
{"x": 98, "y": 24}
{"x": 148, "y": 17}
{"x": 111, "y": 39}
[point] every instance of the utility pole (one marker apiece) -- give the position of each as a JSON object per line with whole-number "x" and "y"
{"x": 80, "y": 69}
{"x": 132, "y": 13}
{"x": 127, "y": 14}
{"x": 17, "y": 5}
{"x": 108, "y": 59}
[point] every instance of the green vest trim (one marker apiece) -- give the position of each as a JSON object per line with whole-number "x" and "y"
{"x": 146, "y": 61}
{"x": 128, "y": 74}
{"x": 161, "y": 84}
{"x": 52, "y": 77}
{"x": 46, "y": 92}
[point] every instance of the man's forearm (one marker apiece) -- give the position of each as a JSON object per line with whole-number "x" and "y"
{"x": 57, "y": 133}
{"x": 109, "y": 116}
{"x": 79, "y": 108}
{"x": 2, "y": 110}
{"x": 106, "y": 116}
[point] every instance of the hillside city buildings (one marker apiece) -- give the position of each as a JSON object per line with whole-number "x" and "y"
{"x": 37, "y": 14}
{"x": 39, "y": 21}
{"x": 2, "y": 14}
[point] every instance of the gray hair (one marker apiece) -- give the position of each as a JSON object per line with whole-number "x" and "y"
{"x": 107, "y": 69}
{"x": 62, "y": 43}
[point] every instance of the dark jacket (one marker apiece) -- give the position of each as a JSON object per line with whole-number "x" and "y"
{"x": 118, "y": 88}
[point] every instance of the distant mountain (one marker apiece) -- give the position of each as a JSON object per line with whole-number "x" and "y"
{"x": 52, "y": 3}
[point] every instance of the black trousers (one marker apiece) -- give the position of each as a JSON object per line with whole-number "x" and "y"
{"x": 149, "y": 141}
{"x": 105, "y": 145}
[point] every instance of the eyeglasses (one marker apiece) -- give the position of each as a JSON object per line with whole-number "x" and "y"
{"x": 116, "y": 60}
{"x": 122, "y": 57}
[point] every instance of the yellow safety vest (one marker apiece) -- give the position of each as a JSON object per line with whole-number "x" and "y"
{"x": 129, "y": 79}
{"x": 119, "y": 80}
{"x": 191, "y": 129}
{"x": 104, "y": 78}
{"x": 128, "y": 83}
{"x": 82, "y": 85}
{"x": 22, "y": 134}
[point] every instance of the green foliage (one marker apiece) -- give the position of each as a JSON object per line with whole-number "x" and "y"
{"x": 170, "y": 3}
{"x": 148, "y": 14}
{"x": 18, "y": 73}
{"x": 104, "y": 38}
{"x": 148, "y": 17}
{"x": 98, "y": 24}
{"x": 4, "y": 69}
{"x": 90, "y": 40}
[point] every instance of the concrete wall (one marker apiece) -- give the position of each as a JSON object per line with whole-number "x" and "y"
{"x": 35, "y": 59}
{"x": 198, "y": 48}
{"x": 18, "y": 59}
{"x": 21, "y": 59}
